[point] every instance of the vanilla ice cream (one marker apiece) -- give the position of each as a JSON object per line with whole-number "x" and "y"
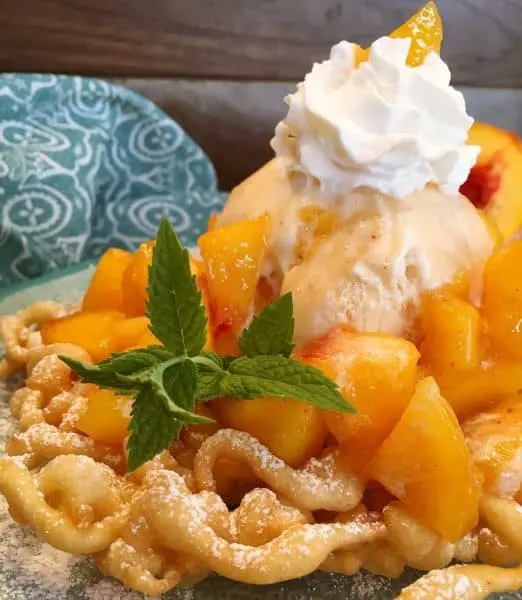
{"x": 371, "y": 271}
{"x": 379, "y": 152}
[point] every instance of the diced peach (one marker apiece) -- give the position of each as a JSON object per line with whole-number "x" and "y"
{"x": 377, "y": 375}
{"x": 225, "y": 341}
{"x": 212, "y": 222}
{"x": 136, "y": 280}
{"x": 127, "y": 333}
{"x": 233, "y": 258}
{"x": 107, "y": 417}
{"x": 479, "y": 389}
{"x": 147, "y": 339}
{"x": 293, "y": 431}
{"x": 459, "y": 286}
{"x": 105, "y": 291}
{"x": 495, "y": 181}
{"x": 425, "y": 30}
{"x": 426, "y": 464}
{"x": 452, "y": 333}
{"x": 92, "y": 331}
{"x": 493, "y": 229}
{"x": 495, "y": 441}
{"x": 502, "y": 300}
{"x": 265, "y": 295}
{"x": 198, "y": 270}
{"x": 100, "y": 333}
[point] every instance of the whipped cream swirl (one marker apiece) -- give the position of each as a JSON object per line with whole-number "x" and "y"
{"x": 383, "y": 124}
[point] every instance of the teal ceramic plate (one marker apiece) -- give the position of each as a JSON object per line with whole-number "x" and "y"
{"x": 30, "y": 570}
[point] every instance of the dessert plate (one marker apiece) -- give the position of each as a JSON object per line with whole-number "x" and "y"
{"x": 32, "y": 570}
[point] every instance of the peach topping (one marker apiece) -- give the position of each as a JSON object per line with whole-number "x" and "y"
{"x": 405, "y": 437}
{"x": 424, "y": 29}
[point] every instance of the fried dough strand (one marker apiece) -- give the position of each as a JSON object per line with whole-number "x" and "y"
{"x": 322, "y": 484}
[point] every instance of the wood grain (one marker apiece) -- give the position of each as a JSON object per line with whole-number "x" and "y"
{"x": 234, "y": 121}
{"x": 243, "y": 39}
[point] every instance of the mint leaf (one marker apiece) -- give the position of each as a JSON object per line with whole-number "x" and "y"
{"x": 212, "y": 358}
{"x": 209, "y": 385}
{"x": 284, "y": 378}
{"x": 161, "y": 409}
{"x": 174, "y": 307}
{"x": 134, "y": 361}
{"x": 125, "y": 371}
{"x": 152, "y": 428}
{"x": 176, "y": 385}
{"x": 104, "y": 378}
{"x": 271, "y": 332}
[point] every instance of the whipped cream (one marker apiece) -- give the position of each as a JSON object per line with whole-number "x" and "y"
{"x": 383, "y": 124}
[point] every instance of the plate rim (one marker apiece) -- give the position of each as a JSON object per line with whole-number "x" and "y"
{"x": 56, "y": 274}
{"x": 49, "y": 277}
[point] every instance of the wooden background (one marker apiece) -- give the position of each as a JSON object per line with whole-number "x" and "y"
{"x": 221, "y": 67}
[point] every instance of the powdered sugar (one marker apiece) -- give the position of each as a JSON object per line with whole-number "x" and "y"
{"x": 110, "y": 589}
{"x": 31, "y": 570}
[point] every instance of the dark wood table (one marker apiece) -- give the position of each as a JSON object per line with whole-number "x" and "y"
{"x": 221, "y": 67}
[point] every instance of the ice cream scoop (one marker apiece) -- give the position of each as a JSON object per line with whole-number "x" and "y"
{"x": 370, "y": 273}
{"x": 370, "y": 270}
{"x": 363, "y": 192}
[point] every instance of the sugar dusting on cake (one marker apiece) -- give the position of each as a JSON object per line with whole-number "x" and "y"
{"x": 33, "y": 570}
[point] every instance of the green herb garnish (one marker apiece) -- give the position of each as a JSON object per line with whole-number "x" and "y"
{"x": 168, "y": 380}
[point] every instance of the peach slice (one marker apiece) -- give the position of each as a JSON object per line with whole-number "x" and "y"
{"x": 495, "y": 441}
{"x": 233, "y": 257}
{"x": 292, "y": 430}
{"x": 425, "y": 30}
{"x": 377, "y": 375}
{"x": 453, "y": 333}
{"x": 105, "y": 290}
{"x": 127, "y": 333}
{"x": 107, "y": 417}
{"x": 147, "y": 339}
{"x": 92, "y": 331}
{"x": 502, "y": 299}
{"x": 494, "y": 184}
{"x": 478, "y": 390}
{"x": 136, "y": 280}
{"x": 426, "y": 464}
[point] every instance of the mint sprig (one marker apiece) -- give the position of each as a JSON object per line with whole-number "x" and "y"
{"x": 166, "y": 381}
{"x": 152, "y": 428}
{"x": 272, "y": 331}
{"x": 284, "y": 378}
{"x": 174, "y": 307}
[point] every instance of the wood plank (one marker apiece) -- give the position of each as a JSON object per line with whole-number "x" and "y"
{"x": 243, "y": 39}
{"x": 234, "y": 121}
